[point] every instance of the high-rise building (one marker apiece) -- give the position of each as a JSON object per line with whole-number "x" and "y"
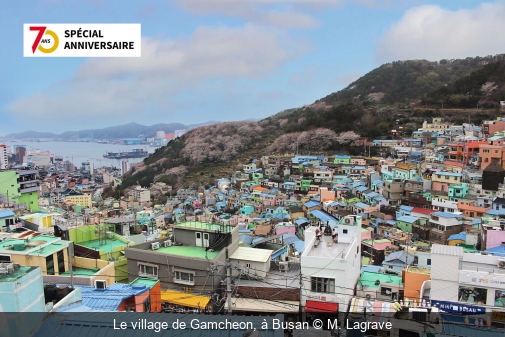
{"x": 20, "y": 154}
{"x": 125, "y": 167}
{"x": 3, "y": 157}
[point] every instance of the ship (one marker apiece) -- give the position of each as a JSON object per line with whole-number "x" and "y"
{"x": 135, "y": 153}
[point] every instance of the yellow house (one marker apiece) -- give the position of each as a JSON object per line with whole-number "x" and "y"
{"x": 79, "y": 199}
{"x": 50, "y": 253}
{"x": 43, "y": 220}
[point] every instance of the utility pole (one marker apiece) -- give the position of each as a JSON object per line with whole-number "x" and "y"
{"x": 70, "y": 257}
{"x": 228, "y": 283}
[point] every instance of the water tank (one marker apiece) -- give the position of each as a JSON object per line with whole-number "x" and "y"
{"x": 19, "y": 246}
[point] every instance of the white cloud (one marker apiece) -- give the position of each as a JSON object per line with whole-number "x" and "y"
{"x": 277, "y": 13}
{"x": 126, "y": 87}
{"x": 434, "y": 33}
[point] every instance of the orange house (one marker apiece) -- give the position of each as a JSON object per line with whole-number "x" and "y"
{"x": 468, "y": 208}
{"x": 413, "y": 278}
{"x": 154, "y": 291}
{"x": 488, "y": 153}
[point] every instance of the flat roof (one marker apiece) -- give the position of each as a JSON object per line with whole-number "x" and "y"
{"x": 42, "y": 245}
{"x": 17, "y": 274}
{"x": 251, "y": 254}
{"x": 108, "y": 245}
{"x": 369, "y": 279}
{"x": 204, "y": 225}
{"x": 150, "y": 283}
{"x": 79, "y": 272}
{"x": 326, "y": 249}
{"x": 189, "y": 251}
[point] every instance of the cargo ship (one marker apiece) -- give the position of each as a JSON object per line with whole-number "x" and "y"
{"x": 135, "y": 153}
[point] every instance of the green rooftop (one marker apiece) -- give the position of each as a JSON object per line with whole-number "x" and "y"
{"x": 41, "y": 245}
{"x": 368, "y": 279}
{"x": 79, "y": 272}
{"x": 106, "y": 245}
{"x": 204, "y": 225}
{"x": 150, "y": 283}
{"x": 188, "y": 251}
{"x": 16, "y": 275}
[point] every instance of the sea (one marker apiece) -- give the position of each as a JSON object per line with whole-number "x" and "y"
{"x": 79, "y": 152}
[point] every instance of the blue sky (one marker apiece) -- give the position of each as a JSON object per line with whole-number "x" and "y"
{"x": 225, "y": 59}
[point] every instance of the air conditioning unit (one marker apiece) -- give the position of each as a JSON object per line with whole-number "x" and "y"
{"x": 283, "y": 266}
{"x": 155, "y": 245}
{"x": 347, "y": 221}
{"x": 100, "y": 284}
{"x": 167, "y": 243}
{"x": 501, "y": 263}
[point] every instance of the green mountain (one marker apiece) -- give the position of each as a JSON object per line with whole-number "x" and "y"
{"x": 393, "y": 96}
{"x": 406, "y": 81}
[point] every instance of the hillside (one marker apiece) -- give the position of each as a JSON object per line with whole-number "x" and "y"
{"x": 405, "y": 81}
{"x": 484, "y": 88}
{"x": 329, "y": 125}
{"x": 130, "y": 130}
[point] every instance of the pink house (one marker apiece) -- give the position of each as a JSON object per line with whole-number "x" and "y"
{"x": 285, "y": 229}
{"x": 197, "y": 204}
{"x": 366, "y": 234}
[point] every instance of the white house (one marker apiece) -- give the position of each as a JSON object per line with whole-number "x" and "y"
{"x": 331, "y": 267}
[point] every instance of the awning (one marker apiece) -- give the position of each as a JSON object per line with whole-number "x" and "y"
{"x": 184, "y": 299}
{"x": 323, "y": 307}
{"x": 258, "y": 305}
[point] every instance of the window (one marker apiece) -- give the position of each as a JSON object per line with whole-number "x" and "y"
{"x": 344, "y": 231}
{"x": 49, "y": 265}
{"x": 499, "y": 298}
{"x": 148, "y": 270}
{"x": 385, "y": 291}
{"x": 61, "y": 262}
{"x": 322, "y": 285}
{"x": 472, "y": 295}
{"x": 184, "y": 277}
{"x": 248, "y": 265}
{"x": 147, "y": 304}
{"x": 428, "y": 262}
{"x": 5, "y": 258}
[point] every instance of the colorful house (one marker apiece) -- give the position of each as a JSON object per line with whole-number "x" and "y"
{"x": 342, "y": 159}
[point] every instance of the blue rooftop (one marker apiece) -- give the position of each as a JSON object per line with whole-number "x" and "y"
{"x": 311, "y": 203}
{"x": 6, "y": 213}
{"x": 323, "y": 216}
{"x": 498, "y": 251}
{"x": 406, "y": 218}
{"x": 111, "y": 297}
{"x": 449, "y": 174}
{"x": 361, "y": 205}
{"x": 459, "y": 236}
{"x": 447, "y": 215}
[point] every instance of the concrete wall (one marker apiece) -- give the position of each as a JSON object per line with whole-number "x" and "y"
{"x": 25, "y": 294}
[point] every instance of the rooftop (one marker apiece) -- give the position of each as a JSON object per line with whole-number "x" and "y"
{"x": 42, "y": 245}
{"x": 204, "y": 225}
{"x": 369, "y": 279}
{"x": 251, "y": 254}
{"x": 329, "y": 249}
{"x": 144, "y": 281}
{"x": 79, "y": 272}
{"x": 107, "y": 245}
{"x": 189, "y": 251}
{"x": 16, "y": 275}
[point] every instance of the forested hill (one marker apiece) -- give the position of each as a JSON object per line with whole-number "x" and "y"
{"x": 406, "y": 81}
{"x": 483, "y": 88}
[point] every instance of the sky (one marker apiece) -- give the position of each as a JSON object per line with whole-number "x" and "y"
{"x": 225, "y": 60}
